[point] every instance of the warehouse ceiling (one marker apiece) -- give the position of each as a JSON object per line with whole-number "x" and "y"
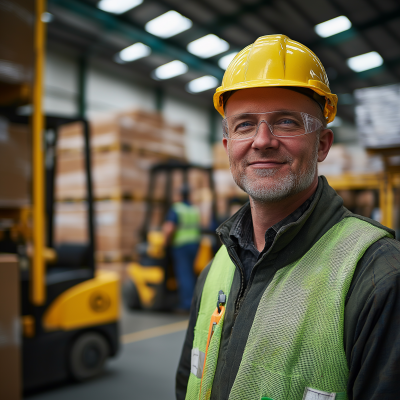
{"x": 92, "y": 32}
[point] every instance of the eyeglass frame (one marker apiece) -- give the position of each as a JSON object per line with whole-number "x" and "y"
{"x": 225, "y": 134}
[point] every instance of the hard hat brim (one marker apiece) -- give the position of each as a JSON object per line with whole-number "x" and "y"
{"x": 317, "y": 86}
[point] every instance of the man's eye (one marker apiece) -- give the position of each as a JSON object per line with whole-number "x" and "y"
{"x": 287, "y": 123}
{"x": 244, "y": 125}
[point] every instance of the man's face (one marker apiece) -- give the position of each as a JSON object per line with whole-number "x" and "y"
{"x": 269, "y": 168}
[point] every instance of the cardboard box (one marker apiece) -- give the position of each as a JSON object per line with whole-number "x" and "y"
{"x": 15, "y": 164}
{"x": 337, "y": 161}
{"x": 17, "y": 19}
{"x": 349, "y": 159}
{"x": 10, "y": 332}
{"x": 144, "y": 133}
{"x": 377, "y": 116}
{"x": 225, "y": 185}
{"x": 124, "y": 148}
{"x": 115, "y": 174}
{"x": 118, "y": 225}
{"x": 221, "y": 160}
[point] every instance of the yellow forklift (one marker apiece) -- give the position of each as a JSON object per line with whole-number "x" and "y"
{"x": 151, "y": 283}
{"x": 383, "y": 183}
{"x": 69, "y": 312}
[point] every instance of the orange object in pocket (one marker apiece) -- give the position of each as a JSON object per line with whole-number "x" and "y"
{"x": 215, "y": 318}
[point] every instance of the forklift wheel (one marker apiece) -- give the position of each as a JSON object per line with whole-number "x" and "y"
{"x": 88, "y": 355}
{"x": 131, "y": 296}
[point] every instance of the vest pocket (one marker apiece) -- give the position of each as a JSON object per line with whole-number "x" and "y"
{"x": 267, "y": 384}
{"x": 281, "y": 387}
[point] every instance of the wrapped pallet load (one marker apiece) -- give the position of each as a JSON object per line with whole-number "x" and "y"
{"x": 124, "y": 147}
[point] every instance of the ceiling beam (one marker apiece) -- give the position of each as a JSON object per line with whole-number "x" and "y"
{"x": 357, "y": 28}
{"x": 361, "y": 32}
{"x": 343, "y": 78}
{"x": 336, "y": 39}
{"x": 224, "y": 21}
{"x": 114, "y": 23}
{"x": 128, "y": 28}
{"x": 221, "y": 22}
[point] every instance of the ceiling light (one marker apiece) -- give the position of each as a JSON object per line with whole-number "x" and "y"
{"x": 169, "y": 24}
{"x": 170, "y": 70}
{"x": 118, "y": 6}
{"x": 365, "y": 61}
{"x": 201, "y": 84}
{"x": 134, "y": 52}
{"x": 333, "y": 26}
{"x": 226, "y": 60}
{"x": 208, "y": 46}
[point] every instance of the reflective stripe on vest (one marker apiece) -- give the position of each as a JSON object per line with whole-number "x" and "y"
{"x": 295, "y": 345}
{"x": 188, "y": 230}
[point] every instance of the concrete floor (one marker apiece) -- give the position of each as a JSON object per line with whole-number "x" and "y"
{"x": 145, "y": 367}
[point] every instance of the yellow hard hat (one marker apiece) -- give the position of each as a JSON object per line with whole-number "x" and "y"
{"x": 276, "y": 60}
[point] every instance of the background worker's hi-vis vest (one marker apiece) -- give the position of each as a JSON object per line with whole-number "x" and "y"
{"x": 295, "y": 345}
{"x": 188, "y": 229}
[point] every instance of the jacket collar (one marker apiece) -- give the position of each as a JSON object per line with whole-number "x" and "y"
{"x": 324, "y": 212}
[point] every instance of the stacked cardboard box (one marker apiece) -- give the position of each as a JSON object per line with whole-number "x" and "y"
{"x": 15, "y": 164}
{"x": 124, "y": 147}
{"x": 225, "y": 187}
{"x": 349, "y": 159}
{"x": 117, "y": 222}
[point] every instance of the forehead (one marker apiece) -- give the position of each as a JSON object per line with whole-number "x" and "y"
{"x": 269, "y": 99}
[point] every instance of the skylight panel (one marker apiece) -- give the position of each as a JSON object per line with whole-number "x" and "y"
{"x": 118, "y": 6}
{"x": 170, "y": 70}
{"x": 169, "y": 24}
{"x": 365, "y": 61}
{"x": 202, "y": 84}
{"x": 134, "y": 52}
{"x": 333, "y": 26}
{"x": 208, "y": 46}
{"x": 224, "y": 61}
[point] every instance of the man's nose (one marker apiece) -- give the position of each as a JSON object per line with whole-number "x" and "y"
{"x": 264, "y": 137}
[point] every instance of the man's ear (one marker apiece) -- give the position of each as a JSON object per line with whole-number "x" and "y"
{"x": 325, "y": 143}
{"x": 225, "y": 143}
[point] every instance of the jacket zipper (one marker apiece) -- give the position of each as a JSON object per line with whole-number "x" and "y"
{"x": 237, "y": 263}
{"x": 241, "y": 297}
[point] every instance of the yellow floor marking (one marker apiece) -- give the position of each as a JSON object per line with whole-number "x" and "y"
{"x": 154, "y": 332}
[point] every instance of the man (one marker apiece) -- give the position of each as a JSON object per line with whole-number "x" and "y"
{"x": 182, "y": 230}
{"x": 306, "y": 292}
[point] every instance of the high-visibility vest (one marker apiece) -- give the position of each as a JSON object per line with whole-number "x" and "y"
{"x": 295, "y": 346}
{"x": 188, "y": 229}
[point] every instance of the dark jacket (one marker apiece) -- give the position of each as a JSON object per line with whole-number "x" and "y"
{"x": 372, "y": 310}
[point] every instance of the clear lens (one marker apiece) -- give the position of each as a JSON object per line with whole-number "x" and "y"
{"x": 280, "y": 123}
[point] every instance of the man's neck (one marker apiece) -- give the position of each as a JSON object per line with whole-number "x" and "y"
{"x": 265, "y": 215}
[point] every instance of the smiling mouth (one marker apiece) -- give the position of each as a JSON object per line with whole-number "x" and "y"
{"x": 265, "y": 164}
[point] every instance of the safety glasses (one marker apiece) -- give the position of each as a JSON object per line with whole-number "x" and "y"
{"x": 281, "y": 124}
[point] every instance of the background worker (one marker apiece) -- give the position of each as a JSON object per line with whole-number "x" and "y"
{"x": 312, "y": 290}
{"x": 182, "y": 231}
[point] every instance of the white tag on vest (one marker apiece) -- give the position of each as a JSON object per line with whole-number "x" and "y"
{"x": 197, "y": 363}
{"x": 314, "y": 394}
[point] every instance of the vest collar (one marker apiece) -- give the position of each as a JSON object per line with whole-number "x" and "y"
{"x": 325, "y": 211}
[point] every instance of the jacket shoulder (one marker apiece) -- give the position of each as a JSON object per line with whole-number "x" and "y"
{"x": 381, "y": 260}
{"x": 370, "y": 221}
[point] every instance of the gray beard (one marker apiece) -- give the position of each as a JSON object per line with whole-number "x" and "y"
{"x": 291, "y": 184}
